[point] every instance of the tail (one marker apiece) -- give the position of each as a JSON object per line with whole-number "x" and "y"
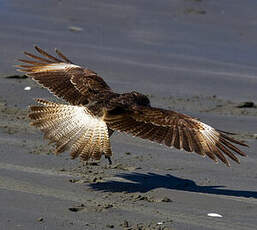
{"x": 72, "y": 127}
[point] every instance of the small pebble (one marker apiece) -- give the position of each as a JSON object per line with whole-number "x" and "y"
{"x": 214, "y": 215}
{"x": 75, "y": 28}
{"x": 27, "y": 88}
{"x": 40, "y": 219}
{"x": 73, "y": 180}
{"x": 78, "y": 208}
{"x": 166, "y": 199}
{"x": 246, "y": 104}
{"x": 125, "y": 224}
{"x": 106, "y": 206}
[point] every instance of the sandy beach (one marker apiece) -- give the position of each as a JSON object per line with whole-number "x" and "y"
{"x": 193, "y": 56}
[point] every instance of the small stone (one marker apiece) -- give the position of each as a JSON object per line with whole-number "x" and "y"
{"x": 17, "y": 76}
{"x": 27, "y": 88}
{"x": 73, "y": 209}
{"x": 246, "y": 104}
{"x": 78, "y": 208}
{"x": 125, "y": 224}
{"x": 109, "y": 225}
{"x": 214, "y": 215}
{"x": 137, "y": 196}
{"x": 106, "y": 206}
{"x": 166, "y": 199}
{"x": 96, "y": 179}
{"x": 75, "y": 28}
{"x": 73, "y": 180}
{"x": 255, "y": 135}
{"x": 40, "y": 219}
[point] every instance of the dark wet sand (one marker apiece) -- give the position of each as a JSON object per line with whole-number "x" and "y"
{"x": 197, "y": 57}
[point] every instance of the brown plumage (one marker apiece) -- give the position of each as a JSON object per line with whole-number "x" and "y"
{"x": 95, "y": 111}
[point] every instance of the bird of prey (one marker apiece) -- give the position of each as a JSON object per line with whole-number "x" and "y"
{"x": 93, "y": 112}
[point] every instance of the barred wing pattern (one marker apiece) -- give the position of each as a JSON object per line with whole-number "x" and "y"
{"x": 72, "y": 127}
{"x": 71, "y": 82}
{"x": 175, "y": 129}
{"x": 96, "y": 111}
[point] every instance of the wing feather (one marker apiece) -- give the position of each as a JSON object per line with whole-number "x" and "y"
{"x": 175, "y": 140}
{"x": 169, "y": 136}
{"x": 61, "y": 55}
{"x": 43, "y": 60}
{"x": 175, "y": 129}
{"x": 50, "y": 57}
{"x": 73, "y": 127}
{"x": 186, "y": 140}
{"x": 74, "y": 84}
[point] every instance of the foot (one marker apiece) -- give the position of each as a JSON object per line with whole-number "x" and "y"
{"x": 109, "y": 159}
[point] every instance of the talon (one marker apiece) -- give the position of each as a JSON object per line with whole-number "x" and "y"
{"x": 109, "y": 159}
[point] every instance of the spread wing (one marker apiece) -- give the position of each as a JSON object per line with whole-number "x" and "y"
{"x": 174, "y": 129}
{"x": 75, "y": 84}
{"x": 72, "y": 127}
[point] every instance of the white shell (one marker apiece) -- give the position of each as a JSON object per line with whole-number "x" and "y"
{"x": 214, "y": 215}
{"x": 27, "y": 88}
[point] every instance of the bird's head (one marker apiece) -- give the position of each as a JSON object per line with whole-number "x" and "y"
{"x": 141, "y": 99}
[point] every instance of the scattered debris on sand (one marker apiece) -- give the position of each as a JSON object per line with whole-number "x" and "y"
{"x": 246, "y": 104}
{"x": 214, "y": 215}
{"x": 40, "y": 219}
{"x": 17, "y": 77}
{"x": 77, "y": 208}
{"x": 27, "y": 88}
{"x": 75, "y": 28}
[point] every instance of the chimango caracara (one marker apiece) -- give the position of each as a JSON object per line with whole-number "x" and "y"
{"x": 94, "y": 112}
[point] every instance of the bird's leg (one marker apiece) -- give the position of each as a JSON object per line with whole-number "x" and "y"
{"x": 109, "y": 159}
